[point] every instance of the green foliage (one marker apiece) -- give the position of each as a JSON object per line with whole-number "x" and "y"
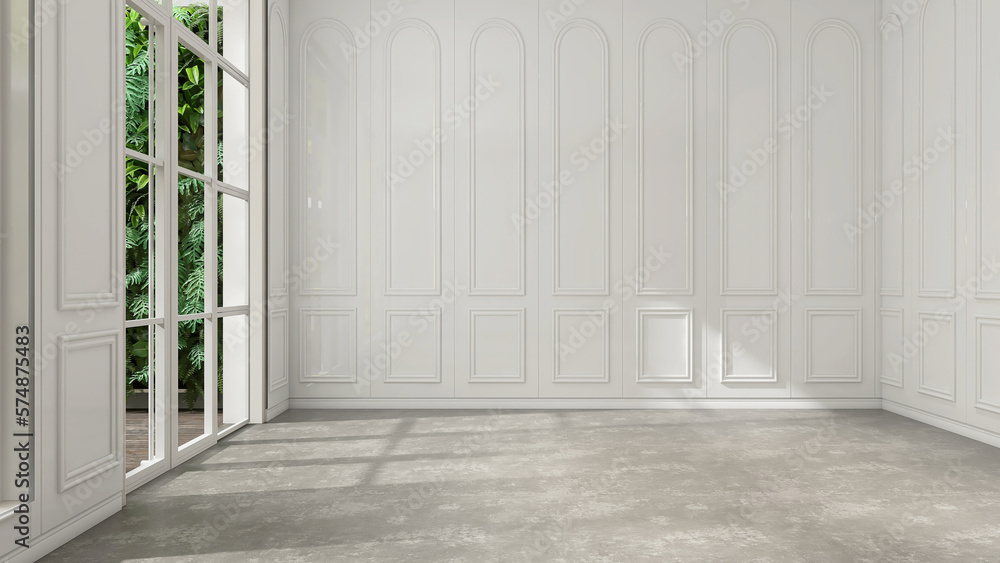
{"x": 190, "y": 202}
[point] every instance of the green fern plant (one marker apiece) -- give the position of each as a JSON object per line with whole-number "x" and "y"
{"x": 191, "y": 201}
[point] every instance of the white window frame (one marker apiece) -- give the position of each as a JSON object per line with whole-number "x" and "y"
{"x": 168, "y": 452}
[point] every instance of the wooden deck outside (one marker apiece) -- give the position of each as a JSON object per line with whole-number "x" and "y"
{"x": 191, "y": 425}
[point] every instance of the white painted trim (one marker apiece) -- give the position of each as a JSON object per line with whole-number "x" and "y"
{"x": 727, "y": 312}
{"x": 605, "y": 160}
{"x": 640, "y": 344}
{"x": 518, "y": 313}
{"x": 640, "y": 158}
{"x": 305, "y": 286}
{"x": 438, "y": 179}
{"x": 922, "y": 289}
{"x": 276, "y": 410}
{"x": 152, "y": 471}
{"x": 522, "y": 157}
{"x": 936, "y": 421}
{"x": 857, "y": 315}
{"x": 596, "y": 403}
{"x": 55, "y": 538}
{"x": 810, "y": 288}
{"x": 773, "y": 168}
{"x": 257, "y": 235}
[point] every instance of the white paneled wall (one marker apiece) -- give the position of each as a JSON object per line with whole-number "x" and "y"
{"x": 536, "y": 198}
{"x": 983, "y": 254}
{"x": 940, "y": 246}
{"x": 76, "y": 308}
{"x": 496, "y": 161}
{"x": 281, "y": 279}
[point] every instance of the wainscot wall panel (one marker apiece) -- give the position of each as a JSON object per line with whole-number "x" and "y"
{"x": 330, "y": 278}
{"x": 541, "y": 199}
{"x": 832, "y": 127}
{"x": 279, "y": 272}
{"x": 928, "y": 279}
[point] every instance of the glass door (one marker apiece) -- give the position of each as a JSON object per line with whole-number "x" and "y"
{"x": 187, "y": 229}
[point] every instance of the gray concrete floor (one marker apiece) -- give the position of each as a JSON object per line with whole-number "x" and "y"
{"x": 761, "y": 486}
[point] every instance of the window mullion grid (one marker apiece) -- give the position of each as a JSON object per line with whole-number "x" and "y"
{"x": 191, "y": 41}
{"x": 211, "y": 236}
{"x": 196, "y": 175}
{"x": 136, "y": 155}
{"x": 162, "y": 238}
{"x": 142, "y": 323}
{"x": 155, "y": 12}
{"x": 170, "y": 252}
{"x": 235, "y": 311}
{"x": 194, "y": 317}
{"x": 213, "y": 26}
{"x": 232, "y": 190}
{"x": 234, "y": 72}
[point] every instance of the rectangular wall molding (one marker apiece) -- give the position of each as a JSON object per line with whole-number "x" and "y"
{"x": 497, "y": 342}
{"x": 664, "y": 345}
{"x": 834, "y": 346}
{"x": 88, "y": 373}
{"x": 892, "y": 347}
{"x": 987, "y": 366}
{"x": 88, "y": 269}
{"x": 582, "y": 208}
{"x": 328, "y": 349}
{"x": 277, "y": 330}
{"x": 581, "y": 347}
{"x": 937, "y": 357}
{"x": 749, "y": 345}
{"x": 412, "y": 345}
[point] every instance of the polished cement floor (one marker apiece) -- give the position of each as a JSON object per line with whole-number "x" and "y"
{"x": 574, "y": 486}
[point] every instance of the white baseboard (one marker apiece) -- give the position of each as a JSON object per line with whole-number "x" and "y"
{"x": 275, "y": 410}
{"x": 55, "y": 538}
{"x": 523, "y": 404}
{"x": 955, "y": 427}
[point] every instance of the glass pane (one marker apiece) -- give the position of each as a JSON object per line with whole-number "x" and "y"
{"x": 190, "y": 110}
{"x": 139, "y": 412}
{"x": 193, "y": 14}
{"x": 234, "y": 26}
{"x": 191, "y": 380}
{"x": 138, "y": 83}
{"x": 190, "y": 246}
{"x": 234, "y": 252}
{"x": 234, "y": 158}
{"x": 139, "y": 257}
{"x": 234, "y": 374}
